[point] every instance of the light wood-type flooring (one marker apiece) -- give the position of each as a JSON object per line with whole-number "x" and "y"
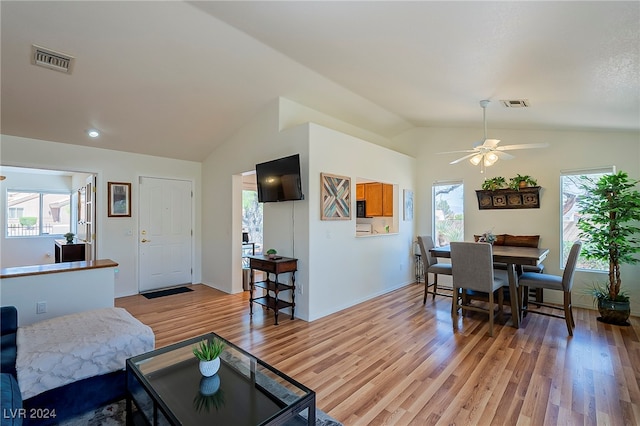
{"x": 392, "y": 360}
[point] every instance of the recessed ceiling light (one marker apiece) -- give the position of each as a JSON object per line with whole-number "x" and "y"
{"x": 93, "y": 133}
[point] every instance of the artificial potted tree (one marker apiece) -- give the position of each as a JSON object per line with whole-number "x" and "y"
{"x": 608, "y": 210}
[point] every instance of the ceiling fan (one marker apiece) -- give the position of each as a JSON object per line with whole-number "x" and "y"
{"x": 486, "y": 152}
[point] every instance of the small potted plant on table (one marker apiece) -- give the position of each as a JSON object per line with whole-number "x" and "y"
{"x": 271, "y": 253}
{"x": 208, "y": 352}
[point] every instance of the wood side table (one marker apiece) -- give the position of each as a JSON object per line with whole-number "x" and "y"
{"x": 273, "y": 267}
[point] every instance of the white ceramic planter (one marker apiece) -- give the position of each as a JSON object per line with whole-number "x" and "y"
{"x": 209, "y": 368}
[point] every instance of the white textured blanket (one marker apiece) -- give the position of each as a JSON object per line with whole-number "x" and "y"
{"x": 62, "y": 350}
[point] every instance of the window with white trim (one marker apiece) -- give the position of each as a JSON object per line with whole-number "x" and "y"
{"x": 448, "y": 212}
{"x": 34, "y": 213}
{"x": 571, "y": 190}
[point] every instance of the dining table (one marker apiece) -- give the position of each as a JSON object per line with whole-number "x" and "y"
{"x": 514, "y": 257}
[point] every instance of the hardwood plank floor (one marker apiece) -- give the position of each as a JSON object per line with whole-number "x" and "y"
{"x": 393, "y": 360}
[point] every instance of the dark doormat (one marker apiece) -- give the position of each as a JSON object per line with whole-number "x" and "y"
{"x": 167, "y": 292}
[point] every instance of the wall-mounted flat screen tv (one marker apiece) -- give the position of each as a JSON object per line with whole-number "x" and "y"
{"x": 279, "y": 180}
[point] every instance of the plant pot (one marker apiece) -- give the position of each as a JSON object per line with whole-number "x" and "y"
{"x": 612, "y": 312}
{"x": 209, "y": 368}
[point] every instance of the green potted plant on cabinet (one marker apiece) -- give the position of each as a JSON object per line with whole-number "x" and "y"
{"x": 521, "y": 181}
{"x": 69, "y": 237}
{"x": 608, "y": 210}
{"x": 494, "y": 183}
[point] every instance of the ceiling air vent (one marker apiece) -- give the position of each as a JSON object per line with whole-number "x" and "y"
{"x": 51, "y": 59}
{"x": 515, "y": 103}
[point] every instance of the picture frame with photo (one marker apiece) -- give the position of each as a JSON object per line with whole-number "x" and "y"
{"x": 119, "y": 199}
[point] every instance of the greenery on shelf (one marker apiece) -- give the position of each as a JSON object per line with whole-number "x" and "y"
{"x": 208, "y": 350}
{"x": 519, "y": 181}
{"x": 494, "y": 183}
{"x": 609, "y": 211}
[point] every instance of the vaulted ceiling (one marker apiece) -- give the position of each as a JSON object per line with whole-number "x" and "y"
{"x": 175, "y": 79}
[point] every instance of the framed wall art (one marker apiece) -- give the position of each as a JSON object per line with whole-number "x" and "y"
{"x": 408, "y": 204}
{"x": 335, "y": 202}
{"x": 119, "y": 195}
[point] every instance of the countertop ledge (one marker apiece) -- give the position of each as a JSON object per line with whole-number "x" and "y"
{"x": 53, "y": 268}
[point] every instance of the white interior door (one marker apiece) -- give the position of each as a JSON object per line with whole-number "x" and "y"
{"x": 165, "y": 233}
{"x": 86, "y": 230}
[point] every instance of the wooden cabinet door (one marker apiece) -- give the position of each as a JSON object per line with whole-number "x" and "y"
{"x": 387, "y": 199}
{"x": 373, "y": 195}
{"x": 360, "y": 192}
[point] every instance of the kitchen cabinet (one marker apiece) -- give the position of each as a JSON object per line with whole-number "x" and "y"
{"x": 360, "y": 192}
{"x": 379, "y": 198}
{"x": 387, "y": 200}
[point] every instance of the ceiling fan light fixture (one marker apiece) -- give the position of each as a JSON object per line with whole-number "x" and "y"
{"x": 489, "y": 161}
{"x": 476, "y": 159}
{"x": 491, "y": 157}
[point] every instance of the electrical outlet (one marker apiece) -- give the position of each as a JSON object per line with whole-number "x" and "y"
{"x": 41, "y": 307}
{"x": 299, "y": 288}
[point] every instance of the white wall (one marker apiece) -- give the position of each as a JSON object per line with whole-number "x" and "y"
{"x": 343, "y": 269}
{"x": 114, "y": 241}
{"x": 259, "y": 141}
{"x": 335, "y": 270}
{"x": 63, "y": 292}
{"x": 567, "y": 150}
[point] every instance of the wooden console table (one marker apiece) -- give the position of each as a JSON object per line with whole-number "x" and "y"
{"x": 275, "y": 267}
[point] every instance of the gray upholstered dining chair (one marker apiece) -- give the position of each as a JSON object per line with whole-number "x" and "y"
{"x": 472, "y": 266}
{"x": 554, "y": 282}
{"x": 431, "y": 265}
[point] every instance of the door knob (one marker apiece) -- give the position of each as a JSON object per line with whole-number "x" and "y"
{"x": 144, "y": 240}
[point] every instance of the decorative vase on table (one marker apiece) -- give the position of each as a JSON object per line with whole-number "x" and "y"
{"x": 209, "y": 368}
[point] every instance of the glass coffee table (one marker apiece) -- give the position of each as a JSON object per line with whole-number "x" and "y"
{"x": 165, "y": 386}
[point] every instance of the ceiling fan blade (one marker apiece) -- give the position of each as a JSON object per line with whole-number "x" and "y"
{"x": 463, "y": 158}
{"x": 491, "y": 143}
{"x": 523, "y": 146}
{"x": 487, "y": 143}
{"x": 458, "y": 152}
{"x": 503, "y": 155}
